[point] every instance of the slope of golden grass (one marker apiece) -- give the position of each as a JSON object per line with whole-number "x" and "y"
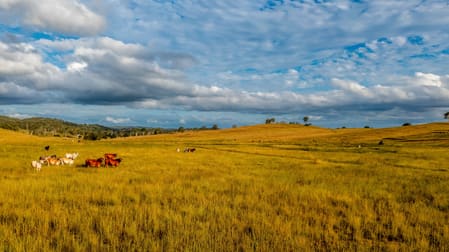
{"x": 260, "y": 188}
{"x": 429, "y": 131}
{"x": 257, "y": 133}
{"x": 8, "y": 136}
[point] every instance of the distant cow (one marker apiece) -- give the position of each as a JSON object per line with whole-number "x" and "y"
{"x": 53, "y": 161}
{"x": 94, "y": 162}
{"x": 65, "y": 161}
{"x": 189, "y": 150}
{"x": 72, "y": 155}
{"x": 47, "y": 147}
{"x": 36, "y": 165}
{"x": 110, "y": 155}
{"x": 112, "y": 162}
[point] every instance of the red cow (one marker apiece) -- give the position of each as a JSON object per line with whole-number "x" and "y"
{"x": 112, "y": 162}
{"x": 110, "y": 155}
{"x": 94, "y": 162}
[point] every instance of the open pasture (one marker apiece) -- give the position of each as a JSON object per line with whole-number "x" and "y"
{"x": 260, "y": 188}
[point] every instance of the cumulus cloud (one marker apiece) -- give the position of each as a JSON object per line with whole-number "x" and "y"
{"x": 107, "y": 71}
{"x": 117, "y": 120}
{"x": 63, "y": 16}
{"x": 252, "y": 57}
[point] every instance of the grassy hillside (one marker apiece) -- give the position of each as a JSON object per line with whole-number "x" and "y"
{"x": 258, "y": 188}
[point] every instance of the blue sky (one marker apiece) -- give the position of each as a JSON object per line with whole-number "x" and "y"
{"x": 198, "y": 63}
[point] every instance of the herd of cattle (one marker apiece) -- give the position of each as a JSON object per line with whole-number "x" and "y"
{"x": 109, "y": 159}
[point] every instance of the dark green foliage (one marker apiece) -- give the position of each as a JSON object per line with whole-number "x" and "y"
{"x": 53, "y": 127}
{"x": 270, "y": 120}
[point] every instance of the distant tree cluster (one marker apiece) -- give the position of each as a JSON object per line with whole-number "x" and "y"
{"x": 214, "y": 127}
{"x": 59, "y": 128}
{"x": 270, "y": 120}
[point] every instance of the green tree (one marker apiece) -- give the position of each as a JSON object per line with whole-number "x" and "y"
{"x": 446, "y": 115}
{"x": 270, "y": 120}
{"x": 305, "y": 119}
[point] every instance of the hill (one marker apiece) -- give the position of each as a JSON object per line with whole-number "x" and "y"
{"x": 54, "y": 127}
{"x": 306, "y": 135}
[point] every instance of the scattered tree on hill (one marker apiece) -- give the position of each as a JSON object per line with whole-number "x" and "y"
{"x": 446, "y": 115}
{"x": 215, "y": 127}
{"x": 270, "y": 120}
{"x": 406, "y": 124}
{"x": 305, "y": 119}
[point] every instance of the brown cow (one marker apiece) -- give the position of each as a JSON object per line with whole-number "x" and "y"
{"x": 112, "y": 162}
{"x": 94, "y": 162}
{"x": 110, "y": 155}
{"x": 53, "y": 161}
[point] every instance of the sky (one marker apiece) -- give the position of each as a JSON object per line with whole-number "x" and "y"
{"x": 173, "y": 63}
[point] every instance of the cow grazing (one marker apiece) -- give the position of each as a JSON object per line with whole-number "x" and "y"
{"x": 65, "y": 161}
{"x": 110, "y": 155}
{"x": 72, "y": 156}
{"x": 36, "y": 165}
{"x": 43, "y": 159}
{"x": 112, "y": 162}
{"x": 94, "y": 162}
{"x": 189, "y": 150}
{"x": 53, "y": 161}
{"x": 47, "y": 147}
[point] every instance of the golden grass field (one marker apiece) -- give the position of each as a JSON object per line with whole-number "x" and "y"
{"x": 259, "y": 188}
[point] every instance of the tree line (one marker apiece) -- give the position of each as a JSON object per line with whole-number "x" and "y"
{"x": 41, "y": 126}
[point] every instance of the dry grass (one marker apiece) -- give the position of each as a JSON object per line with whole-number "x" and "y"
{"x": 260, "y": 188}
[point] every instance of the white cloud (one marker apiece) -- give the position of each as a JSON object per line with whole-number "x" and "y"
{"x": 20, "y": 116}
{"x": 64, "y": 16}
{"x": 76, "y": 66}
{"x": 428, "y": 79}
{"x": 117, "y": 120}
{"x": 248, "y": 56}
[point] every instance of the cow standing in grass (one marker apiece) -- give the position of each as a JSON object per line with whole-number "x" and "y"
{"x": 112, "y": 162}
{"x": 94, "y": 162}
{"x": 36, "y": 165}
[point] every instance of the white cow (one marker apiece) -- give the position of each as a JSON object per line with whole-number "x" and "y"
{"x": 65, "y": 161}
{"x": 36, "y": 165}
{"x": 72, "y": 155}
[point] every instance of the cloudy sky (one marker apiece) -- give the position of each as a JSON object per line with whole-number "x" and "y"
{"x": 171, "y": 63}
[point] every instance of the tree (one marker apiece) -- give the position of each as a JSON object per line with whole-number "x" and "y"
{"x": 270, "y": 121}
{"x": 305, "y": 119}
{"x": 446, "y": 115}
{"x": 215, "y": 127}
